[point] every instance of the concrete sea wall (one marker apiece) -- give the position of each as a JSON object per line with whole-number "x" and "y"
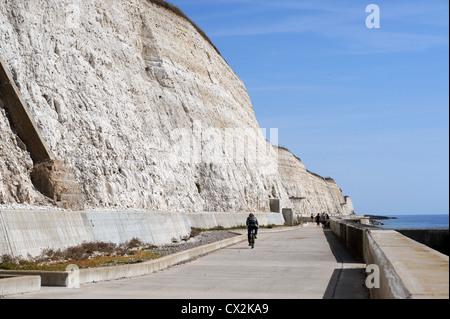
{"x": 29, "y": 232}
{"x": 407, "y": 268}
{"x": 437, "y": 239}
{"x": 18, "y": 284}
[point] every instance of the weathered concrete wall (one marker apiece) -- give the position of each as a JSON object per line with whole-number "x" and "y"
{"x": 12, "y": 285}
{"x": 290, "y": 217}
{"x": 351, "y": 233}
{"x": 29, "y": 232}
{"x": 437, "y": 239}
{"x": 408, "y": 269}
{"x": 231, "y": 220}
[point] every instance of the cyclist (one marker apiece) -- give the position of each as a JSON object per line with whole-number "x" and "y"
{"x": 252, "y": 224}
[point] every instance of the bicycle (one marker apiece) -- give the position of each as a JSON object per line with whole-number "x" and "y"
{"x": 252, "y": 238}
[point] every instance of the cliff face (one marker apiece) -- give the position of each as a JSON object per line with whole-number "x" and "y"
{"x": 309, "y": 192}
{"x": 140, "y": 106}
{"x": 15, "y": 165}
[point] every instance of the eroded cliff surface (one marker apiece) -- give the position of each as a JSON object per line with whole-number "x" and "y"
{"x": 142, "y": 108}
{"x": 308, "y": 192}
{"x": 15, "y": 167}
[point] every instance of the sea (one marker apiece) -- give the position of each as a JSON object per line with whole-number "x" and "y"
{"x": 415, "y": 221}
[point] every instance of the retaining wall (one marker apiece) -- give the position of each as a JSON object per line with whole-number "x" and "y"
{"x": 227, "y": 220}
{"x": 30, "y": 231}
{"x": 12, "y": 285}
{"x": 437, "y": 239}
{"x": 407, "y": 268}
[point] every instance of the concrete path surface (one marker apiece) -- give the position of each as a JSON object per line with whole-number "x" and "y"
{"x": 305, "y": 263}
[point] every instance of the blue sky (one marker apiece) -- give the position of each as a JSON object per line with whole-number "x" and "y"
{"x": 368, "y": 107}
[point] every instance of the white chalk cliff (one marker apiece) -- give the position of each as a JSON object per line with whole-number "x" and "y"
{"x": 145, "y": 111}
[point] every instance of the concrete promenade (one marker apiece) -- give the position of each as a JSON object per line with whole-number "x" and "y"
{"x": 304, "y": 263}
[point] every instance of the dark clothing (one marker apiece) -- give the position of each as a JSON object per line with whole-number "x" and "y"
{"x": 252, "y": 223}
{"x": 249, "y": 229}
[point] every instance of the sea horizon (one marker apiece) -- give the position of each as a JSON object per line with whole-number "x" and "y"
{"x": 403, "y": 221}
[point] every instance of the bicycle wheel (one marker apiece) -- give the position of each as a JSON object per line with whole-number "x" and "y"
{"x": 253, "y": 240}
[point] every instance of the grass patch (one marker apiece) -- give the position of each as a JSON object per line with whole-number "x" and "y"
{"x": 85, "y": 255}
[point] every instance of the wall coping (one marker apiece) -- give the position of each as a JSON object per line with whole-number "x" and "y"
{"x": 408, "y": 269}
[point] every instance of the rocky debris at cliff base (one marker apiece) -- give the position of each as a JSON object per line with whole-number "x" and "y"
{"x": 25, "y": 206}
{"x": 375, "y": 219}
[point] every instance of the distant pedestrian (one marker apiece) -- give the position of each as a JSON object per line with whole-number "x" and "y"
{"x": 318, "y": 220}
{"x": 312, "y": 218}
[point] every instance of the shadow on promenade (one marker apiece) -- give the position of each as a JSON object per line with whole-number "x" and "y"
{"x": 347, "y": 282}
